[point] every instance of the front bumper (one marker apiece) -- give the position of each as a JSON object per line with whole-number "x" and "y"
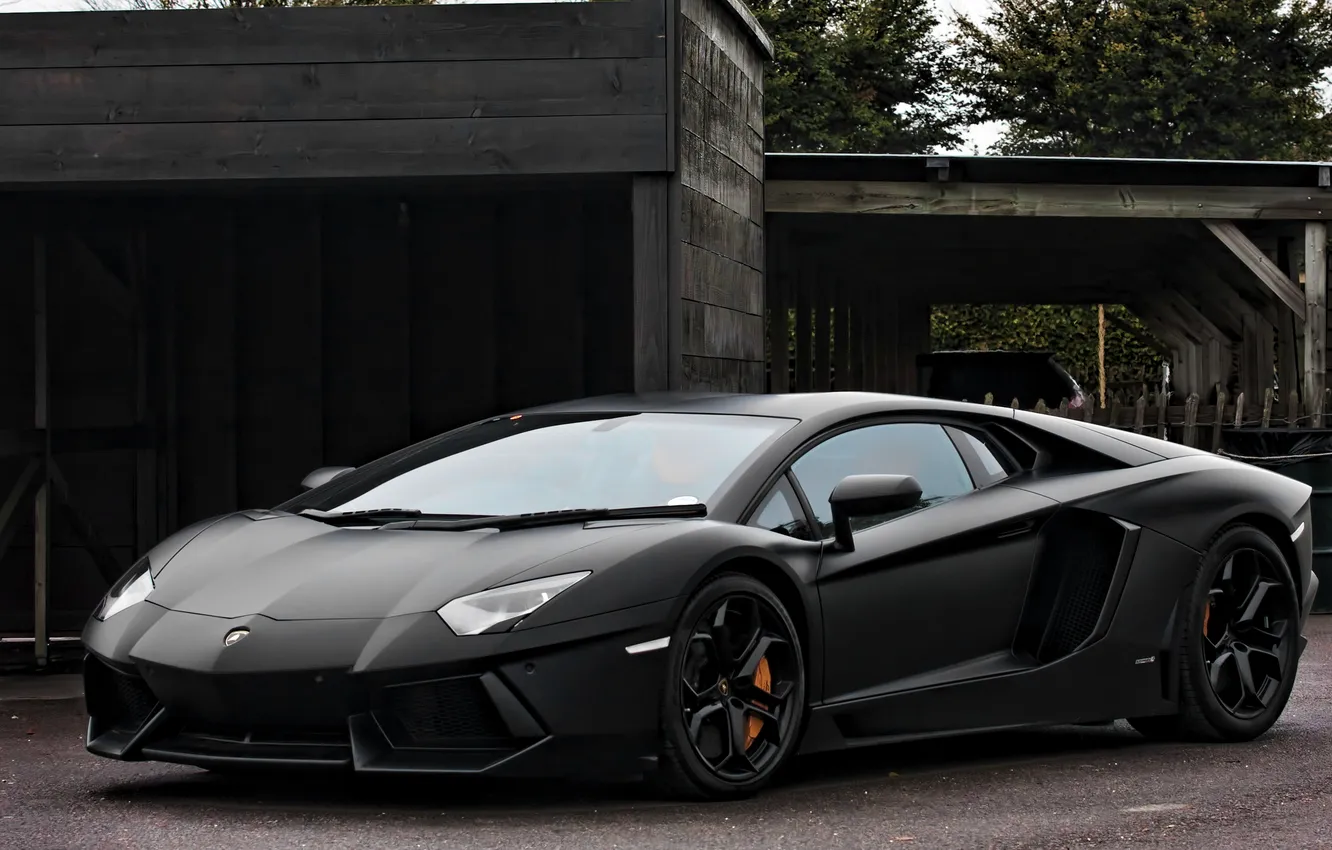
{"x": 389, "y": 696}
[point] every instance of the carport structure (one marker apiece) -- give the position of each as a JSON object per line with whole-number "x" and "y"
{"x": 1224, "y": 261}
{"x": 241, "y": 244}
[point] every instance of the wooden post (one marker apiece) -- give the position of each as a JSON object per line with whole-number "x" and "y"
{"x": 1219, "y": 418}
{"x": 1239, "y": 410}
{"x": 1315, "y": 316}
{"x": 1140, "y": 414}
{"x": 41, "y": 420}
{"x": 1191, "y": 420}
{"x": 779, "y": 312}
{"x": 1287, "y": 338}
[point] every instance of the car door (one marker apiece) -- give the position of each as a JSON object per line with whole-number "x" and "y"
{"x": 931, "y": 594}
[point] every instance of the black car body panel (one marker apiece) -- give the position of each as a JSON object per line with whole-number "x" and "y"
{"x": 1047, "y": 596}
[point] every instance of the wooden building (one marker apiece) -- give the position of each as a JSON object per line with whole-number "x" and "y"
{"x": 1225, "y": 262}
{"x": 240, "y": 244}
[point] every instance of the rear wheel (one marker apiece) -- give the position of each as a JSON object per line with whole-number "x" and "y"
{"x": 735, "y": 692}
{"x": 1238, "y": 643}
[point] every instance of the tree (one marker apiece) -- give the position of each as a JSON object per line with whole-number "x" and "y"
{"x": 865, "y": 76}
{"x": 1221, "y": 79}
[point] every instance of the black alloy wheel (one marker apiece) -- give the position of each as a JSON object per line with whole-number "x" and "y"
{"x": 1247, "y": 622}
{"x": 1238, "y": 644}
{"x": 735, "y": 694}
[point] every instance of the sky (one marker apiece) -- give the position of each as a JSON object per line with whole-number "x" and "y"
{"x": 978, "y": 137}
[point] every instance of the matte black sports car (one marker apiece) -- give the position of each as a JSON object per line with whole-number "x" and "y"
{"x": 696, "y": 588}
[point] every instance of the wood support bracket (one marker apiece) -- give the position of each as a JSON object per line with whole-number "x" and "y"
{"x": 1266, "y": 271}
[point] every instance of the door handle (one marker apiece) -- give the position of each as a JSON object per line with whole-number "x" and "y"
{"x": 1016, "y": 529}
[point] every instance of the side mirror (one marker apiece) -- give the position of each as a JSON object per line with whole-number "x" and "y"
{"x": 869, "y": 495}
{"x": 323, "y": 475}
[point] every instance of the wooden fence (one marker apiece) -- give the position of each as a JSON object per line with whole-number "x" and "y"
{"x": 1191, "y": 423}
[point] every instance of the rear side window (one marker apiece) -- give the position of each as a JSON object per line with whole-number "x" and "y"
{"x": 986, "y": 467}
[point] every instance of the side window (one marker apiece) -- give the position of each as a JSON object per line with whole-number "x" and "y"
{"x": 921, "y": 450}
{"x": 986, "y": 466}
{"x": 781, "y": 512}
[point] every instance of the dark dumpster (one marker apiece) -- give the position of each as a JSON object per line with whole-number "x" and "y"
{"x": 1304, "y": 454}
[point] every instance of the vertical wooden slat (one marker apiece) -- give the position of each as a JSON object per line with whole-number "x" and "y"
{"x": 869, "y": 335}
{"x": 779, "y": 308}
{"x": 1191, "y": 421}
{"x": 301, "y": 359}
{"x": 145, "y": 464}
{"x": 454, "y": 269}
{"x": 539, "y": 280}
{"x": 168, "y": 491}
{"x": 822, "y": 329}
{"x": 1288, "y": 364}
{"x": 841, "y": 330}
{"x": 41, "y": 420}
{"x": 803, "y": 327}
{"x": 886, "y": 342}
{"x": 366, "y": 362}
{"x": 608, "y": 307}
{"x": 651, "y": 282}
{"x": 200, "y": 248}
{"x": 1315, "y": 317}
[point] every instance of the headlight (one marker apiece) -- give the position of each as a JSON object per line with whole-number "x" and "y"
{"x": 132, "y": 588}
{"x": 472, "y": 615}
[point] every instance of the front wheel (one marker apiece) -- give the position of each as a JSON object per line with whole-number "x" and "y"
{"x": 734, "y": 697}
{"x": 1238, "y": 643}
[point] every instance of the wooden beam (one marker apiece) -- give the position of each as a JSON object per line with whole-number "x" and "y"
{"x": 452, "y": 32}
{"x": 1202, "y": 329}
{"x": 1035, "y": 199}
{"x": 651, "y": 282}
{"x": 1315, "y": 322}
{"x": 351, "y": 91}
{"x": 406, "y": 148}
{"x": 1267, "y": 272}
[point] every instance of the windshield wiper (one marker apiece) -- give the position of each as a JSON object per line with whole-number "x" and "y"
{"x": 564, "y": 517}
{"x": 384, "y": 514}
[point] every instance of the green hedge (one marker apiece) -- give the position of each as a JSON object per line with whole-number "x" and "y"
{"x": 1070, "y": 331}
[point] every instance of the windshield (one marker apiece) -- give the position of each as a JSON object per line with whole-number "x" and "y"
{"x": 536, "y": 463}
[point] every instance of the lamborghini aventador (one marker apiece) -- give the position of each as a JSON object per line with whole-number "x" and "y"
{"x": 696, "y": 588}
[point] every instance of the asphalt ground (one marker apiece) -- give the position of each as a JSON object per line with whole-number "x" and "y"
{"x": 1058, "y": 788}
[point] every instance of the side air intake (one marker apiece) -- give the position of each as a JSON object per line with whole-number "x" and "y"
{"x": 1072, "y": 585}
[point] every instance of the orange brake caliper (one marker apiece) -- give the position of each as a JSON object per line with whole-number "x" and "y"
{"x": 762, "y": 681}
{"x": 1207, "y": 616}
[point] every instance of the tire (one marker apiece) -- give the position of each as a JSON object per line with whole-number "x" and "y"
{"x": 1230, "y": 711}
{"x": 696, "y": 719}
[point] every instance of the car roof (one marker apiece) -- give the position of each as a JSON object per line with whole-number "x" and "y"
{"x": 800, "y": 406}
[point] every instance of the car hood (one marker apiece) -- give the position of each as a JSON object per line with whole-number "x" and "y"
{"x": 292, "y": 568}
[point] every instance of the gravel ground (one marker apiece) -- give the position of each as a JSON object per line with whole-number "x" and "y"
{"x": 1084, "y": 787}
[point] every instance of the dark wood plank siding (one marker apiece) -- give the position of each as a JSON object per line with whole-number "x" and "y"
{"x": 448, "y": 33}
{"x": 260, "y": 94}
{"x": 307, "y": 330}
{"x": 721, "y": 255}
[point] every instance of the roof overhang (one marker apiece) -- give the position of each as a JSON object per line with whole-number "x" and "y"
{"x": 1047, "y": 186}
